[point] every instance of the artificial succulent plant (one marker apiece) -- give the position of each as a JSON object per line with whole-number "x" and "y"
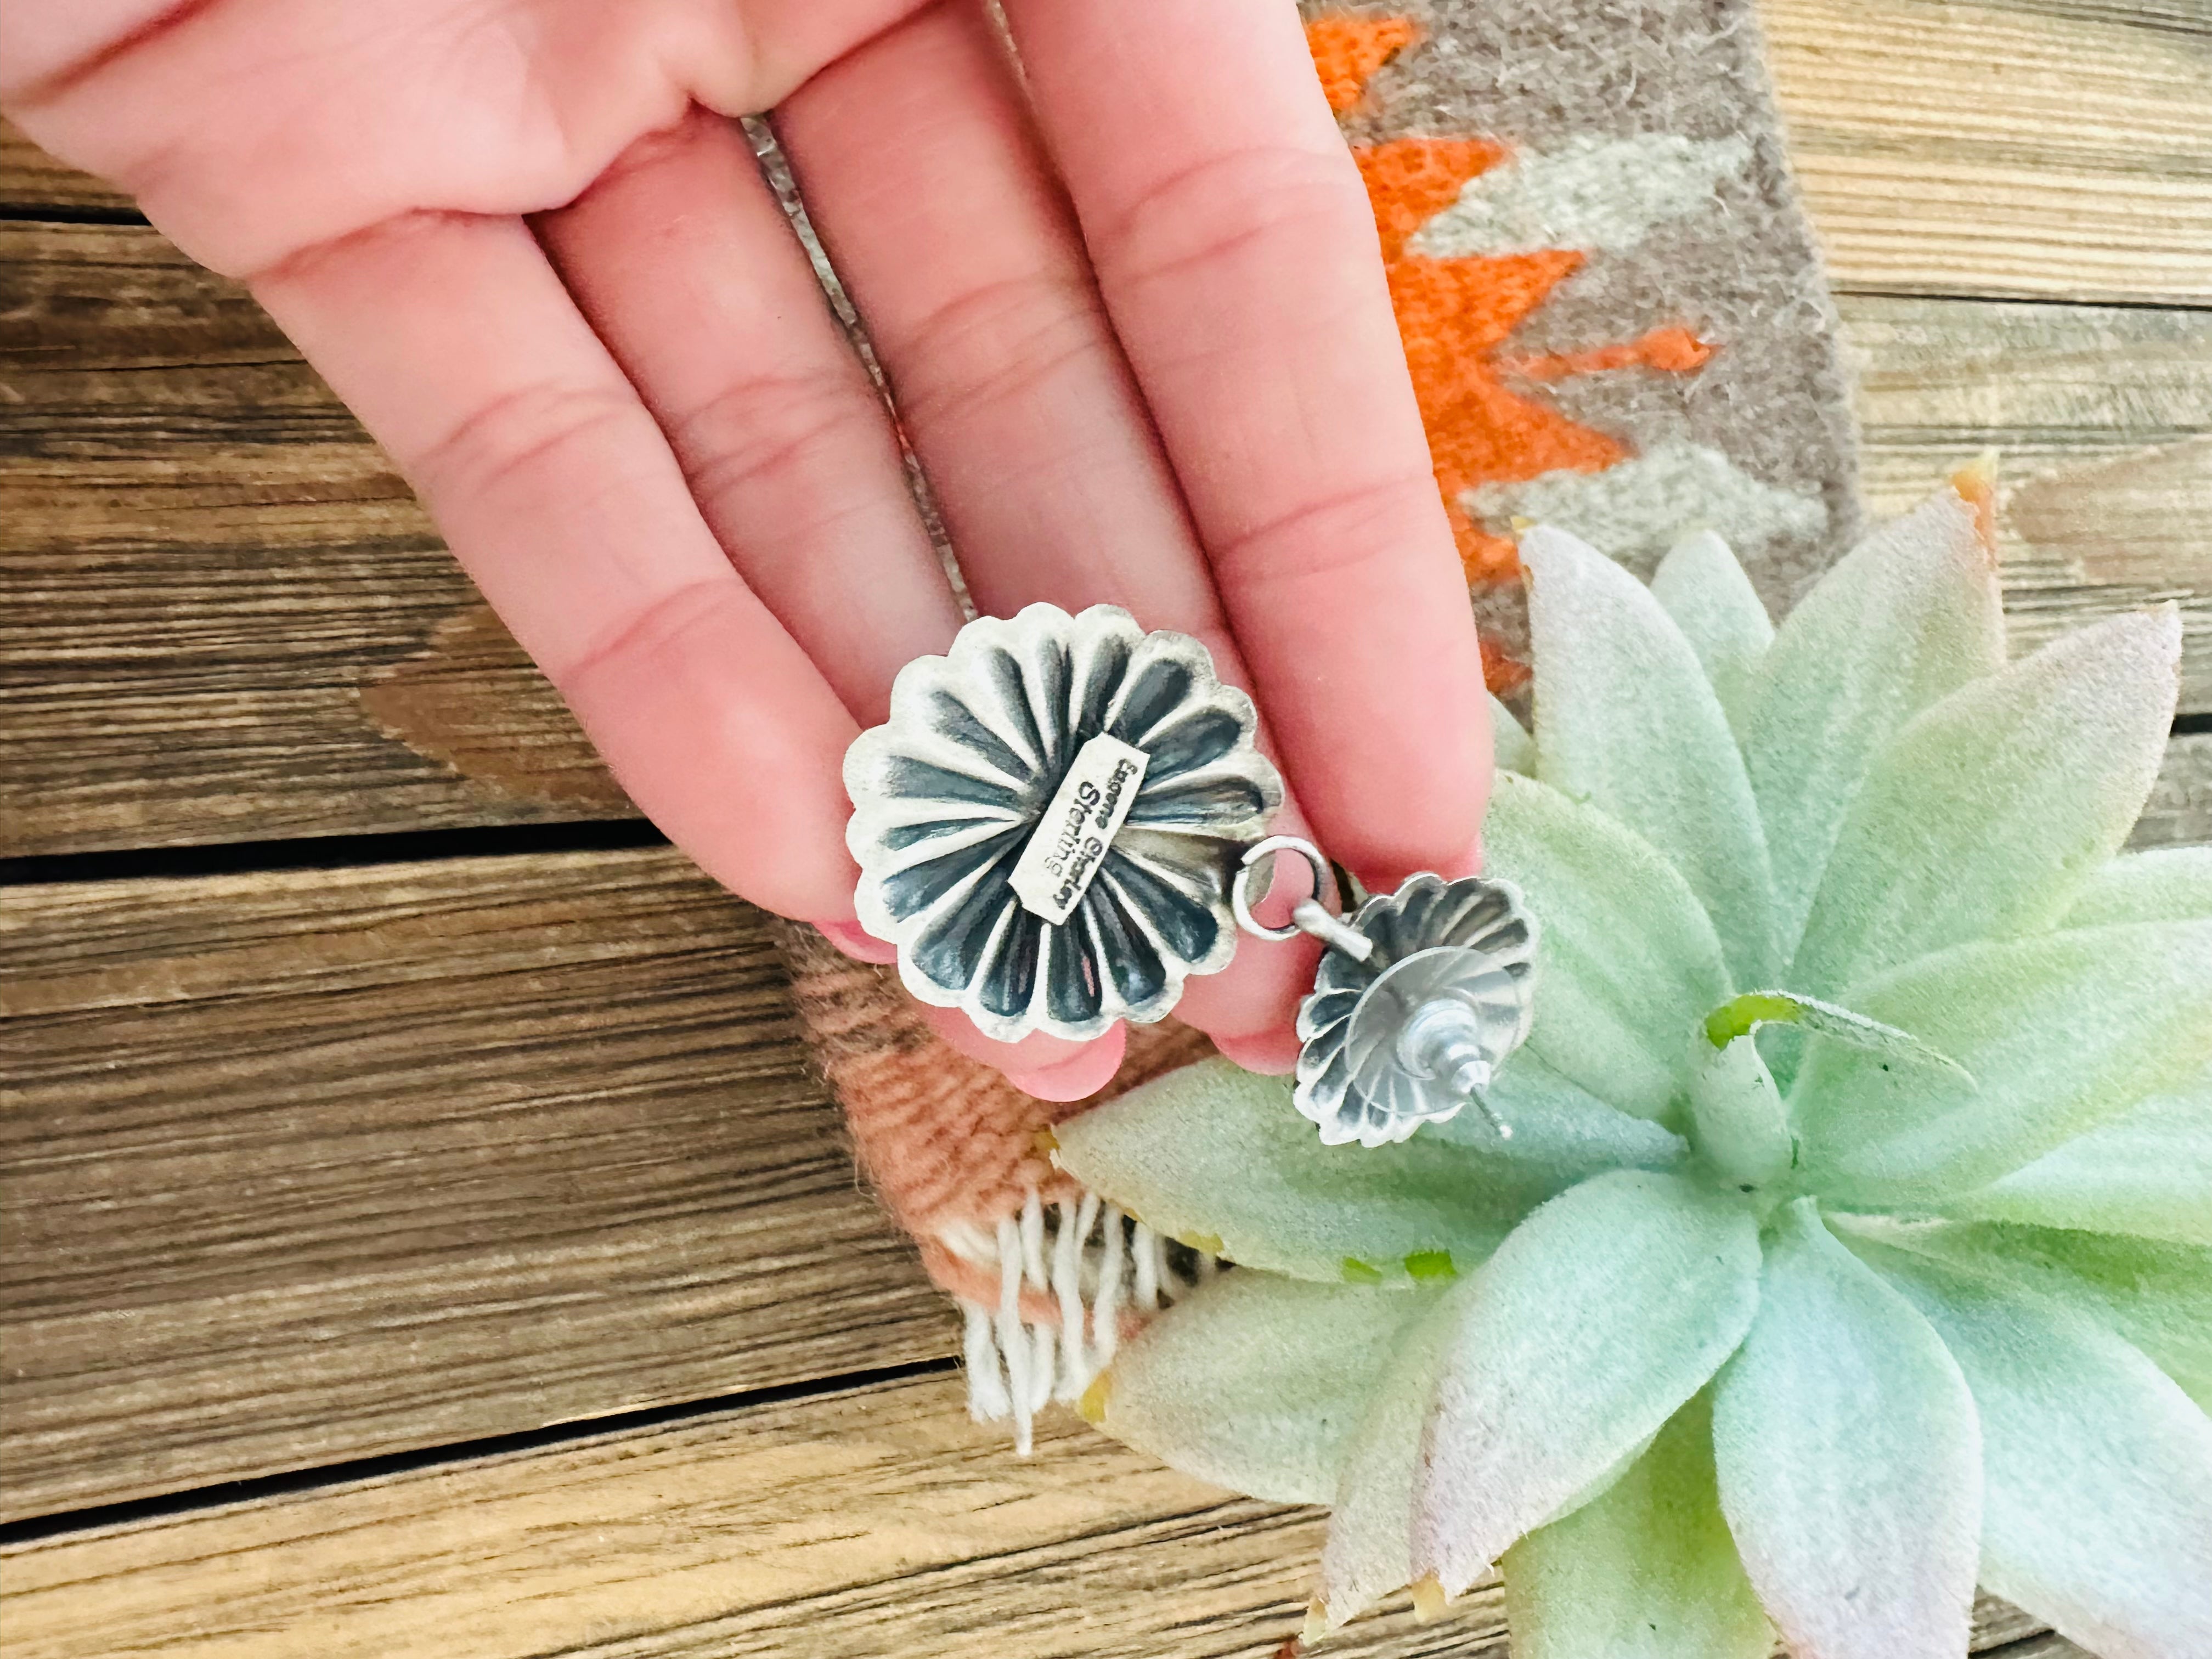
{"x": 1854, "y": 1237}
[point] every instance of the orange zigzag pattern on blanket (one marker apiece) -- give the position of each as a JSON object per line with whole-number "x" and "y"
{"x": 1347, "y": 49}
{"x": 1454, "y": 313}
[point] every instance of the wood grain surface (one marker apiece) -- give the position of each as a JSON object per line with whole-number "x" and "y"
{"x": 2179, "y": 812}
{"x": 210, "y": 577}
{"x": 2002, "y": 148}
{"x": 304, "y": 1165}
{"x": 309, "y": 1165}
{"x": 871, "y": 1523}
{"x": 226, "y": 619}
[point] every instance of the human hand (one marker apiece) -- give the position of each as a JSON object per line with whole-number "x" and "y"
{"x": 1132, "y": 315}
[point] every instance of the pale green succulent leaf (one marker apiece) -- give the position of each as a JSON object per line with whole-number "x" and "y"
{"x": 2147, "y": 1172}
{"x": 2061, "y": 1033}
{"x": 1645, "y": 1570}
{"x": 1368, "y": 1554}
{"x": 1627, "y": 721}
{"x": 1906, "y": 618}
{"x": 1605, "y": 1312}
{"x": 2097, "y": 1469}
{"x": 1211, "y": 1150}
{"x": 1512, "y": 749}
{"x": 1984, "y": 816}
{"x": 2171, "y": 884}
{"x": 1701, "y": 585}
{"x": 1562, "y": 1133}
{"x": 1742, "y": 1129}
{"x": 1628, "y": 963}
{"x": 1850, "y": 1459}
{"x": 2156, "y": 1294}
{"x": 1256, "y": 1382}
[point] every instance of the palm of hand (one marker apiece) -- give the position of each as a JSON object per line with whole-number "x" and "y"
{"x": 1129, "y": 301}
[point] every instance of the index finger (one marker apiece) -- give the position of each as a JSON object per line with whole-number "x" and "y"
{"x": 1234, "y": 246}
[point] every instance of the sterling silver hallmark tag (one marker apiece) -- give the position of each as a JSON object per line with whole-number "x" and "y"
{"x": 1064, "y": 854}
{"x": 1048, "y": 825}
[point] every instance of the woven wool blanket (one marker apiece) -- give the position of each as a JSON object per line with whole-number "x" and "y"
{"x": 1616, "y": 324}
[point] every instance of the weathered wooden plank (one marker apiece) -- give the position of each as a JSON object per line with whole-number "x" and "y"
{"x": 1991, "y": 149}
{"x": 2180, "y": 810}
{"x": 31, "y": 180}
{"x": 2188, "y": 17}
{"x": 212, "y": 584}
{"x": 311, "y": 1166}
{"x": 873, "y": 1522}
{"x": 222, "y": 618}
{"x": 2099, "y": 416}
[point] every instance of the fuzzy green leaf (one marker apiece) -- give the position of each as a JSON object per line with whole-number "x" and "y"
{"x": 2060, "y": 1033}
{"x": 1743, "y": 1132}
{"x": 1367, "y": 1555}
{"x": 1703, "y": 587}
{"x": 1213, "y": 1150}
{"x": 1982, "y": 818}
{"x": 1629, "y": 961}
{"x": 1561, "y": 1133}
{"x": 1602, "y": 1315}
{"x": 1646, "y": 1569}
{"x": 1256, "y": 1382}
{"x": 2097, "y": 1469}
{"x": 1627, "y": 721}
{"x": 2147, "y": 1172}
{"x": 2172, "y": 883}
{"x": 1908, "y": 616}
{"x": 2157, "y": 1295}
{"x": 1512, "y": 749}
{"x": 1849, "y": 1462}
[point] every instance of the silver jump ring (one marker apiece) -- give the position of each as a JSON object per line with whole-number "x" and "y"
{"x": 1259, "y": 856}
{"x": 1310, "y": 915}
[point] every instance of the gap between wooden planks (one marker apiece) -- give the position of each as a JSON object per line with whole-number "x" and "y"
{"x": 309, "y": 1165}
{"x": 874, "y": 1523}
{"x": 228, "y": 620}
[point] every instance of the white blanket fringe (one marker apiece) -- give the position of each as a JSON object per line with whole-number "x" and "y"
{"x": 1092, "y": 1261}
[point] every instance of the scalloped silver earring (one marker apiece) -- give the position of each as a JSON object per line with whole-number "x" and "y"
{"x": 1062, "y": 821}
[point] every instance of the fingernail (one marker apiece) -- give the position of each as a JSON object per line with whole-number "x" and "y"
{"x": 1271, "y": 1053}
{"x": 856, "y": 941}
{"x": 1076, "y": 1077}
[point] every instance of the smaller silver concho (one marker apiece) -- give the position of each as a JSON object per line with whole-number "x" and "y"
{"x": 1049, "y": 825}
{"x": 1414, "y": 1029}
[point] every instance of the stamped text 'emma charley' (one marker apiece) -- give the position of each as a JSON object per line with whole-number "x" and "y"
{"x": 1071, "y": 840}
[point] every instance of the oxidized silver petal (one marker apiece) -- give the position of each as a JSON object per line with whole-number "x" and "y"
{"x": 955, "y": 787}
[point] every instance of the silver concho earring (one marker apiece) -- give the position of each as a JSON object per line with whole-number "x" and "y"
{"x": 1065, "y": 818}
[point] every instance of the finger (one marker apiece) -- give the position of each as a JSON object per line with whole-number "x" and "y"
{"x": 687, "y": 268}
{"x": 249, "y": 128}
{"x": 857, "y": 942}
{"x": 1236, "y": 255}
{"x": 1271, "y": 1053}
{"x": 685, "y": 264}
{"x": 1048, "y": 1068}
{"x": 454, "y": 341}
{"x": 43, "y": 45}
{"x": 928, "y": 186}
{"x": 927, "y": 182}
